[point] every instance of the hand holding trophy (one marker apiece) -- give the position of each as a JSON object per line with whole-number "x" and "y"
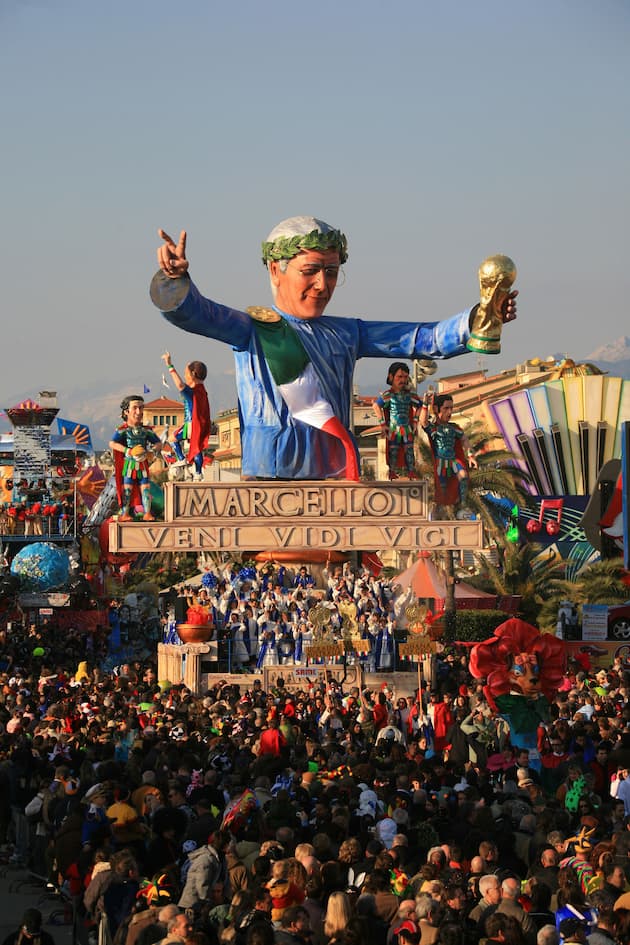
{"x": 497, "y": 306}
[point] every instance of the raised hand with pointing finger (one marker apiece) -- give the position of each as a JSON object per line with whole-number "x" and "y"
{"x": 171, "y": 258}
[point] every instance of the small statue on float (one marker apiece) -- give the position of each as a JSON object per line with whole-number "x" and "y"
{"x": 452, "y": 454}
{"x": 132, "y": 446}
{"x": 397, "y": 408}
{"x": 196, "y": 426}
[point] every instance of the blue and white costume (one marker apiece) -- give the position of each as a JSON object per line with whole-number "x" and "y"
{"x": 275, "y": 444}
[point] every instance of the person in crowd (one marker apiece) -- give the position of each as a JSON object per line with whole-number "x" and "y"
{"x": 30, "y": 931}
{"x": 490, "y": 892}
{"x": 295, "y": 927}
{"x": 206, "y": 869}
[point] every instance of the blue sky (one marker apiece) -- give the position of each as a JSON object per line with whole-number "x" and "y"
{"x": 433, "y": 134}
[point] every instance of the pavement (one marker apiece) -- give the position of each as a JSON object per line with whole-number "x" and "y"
{"x": 21, "y": 890}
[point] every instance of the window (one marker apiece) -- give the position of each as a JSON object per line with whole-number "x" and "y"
{"x": 162, "y": 421}
{"x": 154, "y": 420}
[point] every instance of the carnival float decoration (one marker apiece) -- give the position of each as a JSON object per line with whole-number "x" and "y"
{"x": 425, "y": 631}
{"x": 326, "y": 643}
{"x": 522, "y": 669}
{"x": 198, "y": 627}
{"x": 41, "y": 566}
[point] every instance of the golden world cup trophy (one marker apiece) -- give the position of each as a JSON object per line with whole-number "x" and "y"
{"x": 496, "y": 278}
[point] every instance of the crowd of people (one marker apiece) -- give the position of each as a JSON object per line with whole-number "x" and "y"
{"x": 263, "y": 618}
{"x": 317, "y": 815}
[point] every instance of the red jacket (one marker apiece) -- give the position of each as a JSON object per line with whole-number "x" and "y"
{"x": 272, "y": 741}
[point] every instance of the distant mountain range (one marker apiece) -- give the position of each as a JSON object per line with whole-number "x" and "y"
{"x": 99, "y": 409}
{"x": 614, "y": 357}
{"x": 614, "y": 351}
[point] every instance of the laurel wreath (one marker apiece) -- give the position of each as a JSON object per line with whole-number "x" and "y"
{"x": 286, "y": 247}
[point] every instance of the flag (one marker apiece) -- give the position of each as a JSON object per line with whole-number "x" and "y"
{"x": 147, "y": 390}
{"x": 79, "y": 431}
{"x": 165, "y": 383}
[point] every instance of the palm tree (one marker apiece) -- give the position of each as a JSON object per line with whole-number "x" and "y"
{"x": 603, "y": 583}
{"x": 496, "y": 474}
{"x": 600, "y": 583}
{"x": 522, "y": 575}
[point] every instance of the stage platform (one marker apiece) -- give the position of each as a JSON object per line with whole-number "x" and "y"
{"x": 194, "y": 665}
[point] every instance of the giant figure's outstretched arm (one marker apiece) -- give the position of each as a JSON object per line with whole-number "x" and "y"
{"x": 183, "y": 305}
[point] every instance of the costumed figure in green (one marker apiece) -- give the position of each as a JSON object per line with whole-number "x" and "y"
{"x": 132, "y": 445}
{"x": 397, "y": 408}
{"x": 452, "y": 454}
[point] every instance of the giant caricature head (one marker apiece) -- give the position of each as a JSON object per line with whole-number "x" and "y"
{"x": 303, "y": 256}
{"x": 524, "y": 674}
{"x": 519, "y": 659}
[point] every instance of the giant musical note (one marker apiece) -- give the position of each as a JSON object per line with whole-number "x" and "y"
{"x": 552, "y": 526}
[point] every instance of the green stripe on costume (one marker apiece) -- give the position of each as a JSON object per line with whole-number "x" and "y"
{"x": 283, "y": 350}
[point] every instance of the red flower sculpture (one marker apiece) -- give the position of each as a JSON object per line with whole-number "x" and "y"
{"x": 519, "y": 658}
{"x": 197, "y": 616}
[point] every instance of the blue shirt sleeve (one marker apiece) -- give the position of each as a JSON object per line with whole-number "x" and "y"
{"x": 182, "y": 304}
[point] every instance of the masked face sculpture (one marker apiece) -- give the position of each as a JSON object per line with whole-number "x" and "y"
{"x": 524, "y": 674}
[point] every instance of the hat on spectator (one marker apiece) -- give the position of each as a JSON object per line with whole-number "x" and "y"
{"x": 386, "y": 830}
{"x": 400, "y": 818}
{"x": 368, "y": 802}
{"x": 97, "y": 790}
{"x": 406, "y": 926}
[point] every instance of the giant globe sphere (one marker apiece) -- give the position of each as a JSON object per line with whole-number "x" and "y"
{"x": 41, "y": 566}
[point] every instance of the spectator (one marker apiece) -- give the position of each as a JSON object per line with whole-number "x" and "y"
{"x": 30, "y": 931}
{"x": 206, "y": 869}
{"x": 490, "y": 890}
{"x": 178, "y": 929}
{"x": 295, "y": 927}
{"x": 510, "y": 906}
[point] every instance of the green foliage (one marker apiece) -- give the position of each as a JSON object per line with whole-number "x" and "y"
{"x": 520, "y": 575}
{"x": 601, "y": 583}
{"x": 477, "y": 625}
{"x": 163, "y": 570}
